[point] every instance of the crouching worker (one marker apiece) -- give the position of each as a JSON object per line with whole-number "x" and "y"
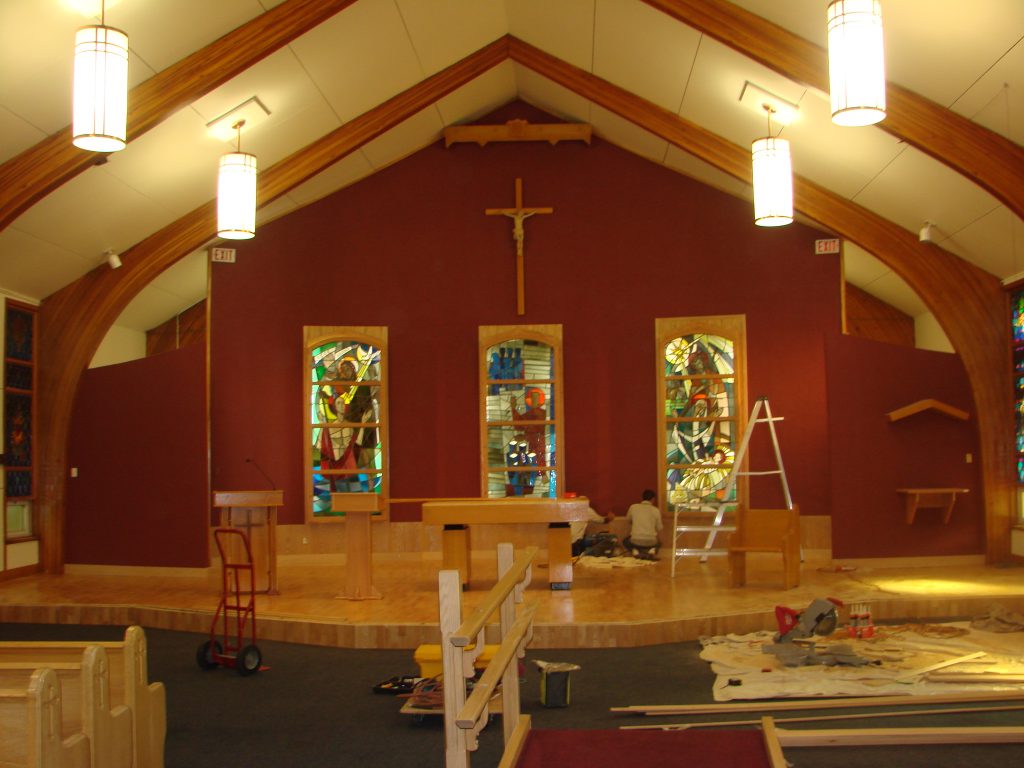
{"x": 644, "y": 527}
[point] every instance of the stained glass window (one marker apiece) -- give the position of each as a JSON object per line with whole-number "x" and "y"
{"x": 522, "y": 400}
{"x": 346, "y": 435}
{"x": 699, "y": 417}
{"x": 19, "y": 401}
{"x": 1017, "y": 302}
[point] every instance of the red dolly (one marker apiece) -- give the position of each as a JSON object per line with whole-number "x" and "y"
{"x": 238, "y": 582}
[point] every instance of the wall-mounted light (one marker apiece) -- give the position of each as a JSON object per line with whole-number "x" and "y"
{"x": 773, "y": 179}
{"x": 100, "y": 101}
{"x": 856, "y": 62}
{"x": 113, "y": 260}
{"x": 236, "y": 192}
{"x": 927, "y": 233}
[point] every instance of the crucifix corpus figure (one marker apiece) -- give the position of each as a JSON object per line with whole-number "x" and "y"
{"x": 519, "y": 214}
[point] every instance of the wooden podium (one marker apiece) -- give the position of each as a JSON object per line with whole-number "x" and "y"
{"x": 358, "y": 509}
{"x": 255, "y": 513}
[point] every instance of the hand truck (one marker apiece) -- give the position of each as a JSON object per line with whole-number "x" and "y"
{"x": 237, "y": 580}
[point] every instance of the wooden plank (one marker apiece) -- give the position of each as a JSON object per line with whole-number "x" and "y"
{"x": 771, "y": 744}
{"x": 861, "y": 737}
{"x": 514, "y": 746}
{"x": 516, "y": 130}
{"x": 507, "y": 510}
{"x": 800, "y": 704}
{"x": 926, "y": 405}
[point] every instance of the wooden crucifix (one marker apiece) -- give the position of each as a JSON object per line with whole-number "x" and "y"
{"x": 518, "y": 215}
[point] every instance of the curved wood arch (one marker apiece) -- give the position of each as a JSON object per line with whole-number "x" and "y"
{"x": 75, "y": 319}
{"x": 28, "y": 177}
{"x": 983, "y": 156}
{"x": 976, "y": 322}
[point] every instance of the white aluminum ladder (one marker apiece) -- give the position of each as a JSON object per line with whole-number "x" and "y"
{"x": 718, "y": 509}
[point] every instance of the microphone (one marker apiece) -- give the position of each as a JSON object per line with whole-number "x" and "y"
{"x": 262, "y": 472}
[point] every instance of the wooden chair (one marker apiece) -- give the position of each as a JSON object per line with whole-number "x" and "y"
{"x": 766, "y": 530}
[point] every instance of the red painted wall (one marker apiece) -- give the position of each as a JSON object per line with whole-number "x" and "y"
{"x": 871, "y": 456}
{"x": 410, "y": 248}
{"x": 138, "y": 439}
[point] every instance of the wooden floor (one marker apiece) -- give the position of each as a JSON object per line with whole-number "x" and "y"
{"x": 605, "y": 608}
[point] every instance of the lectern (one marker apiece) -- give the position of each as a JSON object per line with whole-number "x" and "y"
{"x": 255, "y": 513}
{"x": 358, "y": 507}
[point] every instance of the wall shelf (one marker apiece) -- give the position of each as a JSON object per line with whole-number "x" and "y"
{"x": 930, "y": 498}
{"x": 925, "y": 405}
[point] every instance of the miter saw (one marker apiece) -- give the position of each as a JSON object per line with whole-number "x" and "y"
{"x": 819, "y": 618}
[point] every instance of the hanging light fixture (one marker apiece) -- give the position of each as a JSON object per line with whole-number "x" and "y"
{"x": 773, "y": 179}
{"x": 856, "y": 62}
{"x": 100, "y": 101}
{"x": 236, "y": 192}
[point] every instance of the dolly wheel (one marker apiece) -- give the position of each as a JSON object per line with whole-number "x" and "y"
{"x": 207, "y": 653}
{"x": 248, "y": 660}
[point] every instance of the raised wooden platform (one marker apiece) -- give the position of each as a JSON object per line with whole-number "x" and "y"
{"x": 606, "y": 608}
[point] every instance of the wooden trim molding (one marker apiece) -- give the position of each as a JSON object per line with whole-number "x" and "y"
{"x": 28, "y": 177}
{"x": 983, "y": 156}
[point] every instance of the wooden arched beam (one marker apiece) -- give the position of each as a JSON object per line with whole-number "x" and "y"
{"x": 983, "y": 156}
{"x": 74, "y": 320}
{"x": 968, "y": 302}
{"x": 31, "y": 175}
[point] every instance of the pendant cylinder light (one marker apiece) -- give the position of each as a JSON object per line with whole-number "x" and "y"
{"x": 856, "y": 62}
{"x": 236, "y": 194}
{"x": 773, "y": 182}
{"x": 100, "y": 109}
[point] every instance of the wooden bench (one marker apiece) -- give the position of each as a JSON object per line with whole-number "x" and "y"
{"x": 52, "y": 720}
{"x": 128, "y": 679}
{"x": 462, "y": 641}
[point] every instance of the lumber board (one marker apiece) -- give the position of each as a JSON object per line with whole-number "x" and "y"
{"x": 862, "y": 737}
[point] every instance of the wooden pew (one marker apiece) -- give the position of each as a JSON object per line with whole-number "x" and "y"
{"x": 128, "y": 683}
{"x": 33, "y": 731}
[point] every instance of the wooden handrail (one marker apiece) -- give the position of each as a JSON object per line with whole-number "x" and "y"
{"x": 470, "y": 628}
{"x": 489, "y": 680}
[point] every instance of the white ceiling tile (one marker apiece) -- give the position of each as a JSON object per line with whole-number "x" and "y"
{"x": 359, "y": 58}
{"x": 627, "y": 135}
{"x": 914, "y": 189}
{"x": 480, "y": 96}
{"x": 273, "y": 210}
{"x": 893, "y": 290}
{"x": 992, "y": 242}
{"x": 859, "y": 266}
{"x": 35, "y": 268}
{"x": 805, "y": 18}
{"x": 162, "y": 33}
{"x": 544, "y": 94}
{"x": 695, "y": 168}
{"x": 635, "y": 49}
{"x": 996, "y": 100}
{"x": 91, "y": 213}
{"x": 445, "y": 32}
{"x": 151, "y": 307}
{"x": 17, "y": 134}
{"x": 564, "y": 29}
{"x": 340, "y": 175}
{"x": 186, "y": 277}
{"x": 412, "y": 135}
{"x": 185, "y": 156}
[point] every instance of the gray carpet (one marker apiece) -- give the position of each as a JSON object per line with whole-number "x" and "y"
{"x": 316, "y": 707}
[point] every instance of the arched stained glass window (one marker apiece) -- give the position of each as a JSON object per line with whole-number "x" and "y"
{"x": 521, "y": 398}
{"x": 701, "y": 393}
{"x": 346, "y": 423}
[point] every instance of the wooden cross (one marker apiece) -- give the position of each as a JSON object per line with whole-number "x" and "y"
{"x": 518, "y": 215}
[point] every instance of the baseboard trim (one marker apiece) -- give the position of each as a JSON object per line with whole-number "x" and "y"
{"x": 938, "y": 561}
{"x": 86, "y": 569}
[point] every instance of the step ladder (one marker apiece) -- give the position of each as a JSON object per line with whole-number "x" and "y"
{"x": 716, "y": 510}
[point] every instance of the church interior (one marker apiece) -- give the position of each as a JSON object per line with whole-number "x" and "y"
{"x": 504, "y": 261}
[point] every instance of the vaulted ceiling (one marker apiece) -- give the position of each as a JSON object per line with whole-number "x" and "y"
{"x": 661, "y": 78}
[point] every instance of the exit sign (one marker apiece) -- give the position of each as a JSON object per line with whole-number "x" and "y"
{"x": 827, "y": 246}
{"x": 225, "y": 255}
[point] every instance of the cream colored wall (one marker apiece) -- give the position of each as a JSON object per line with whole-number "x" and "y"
{"x": 928, "y": 334}
{"x": 119, "y": 346}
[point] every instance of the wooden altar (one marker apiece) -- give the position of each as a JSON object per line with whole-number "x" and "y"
{"x": 457, "y": 515}
{"x": 255, "y": 513}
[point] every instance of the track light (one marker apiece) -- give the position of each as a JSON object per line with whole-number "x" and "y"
{"x": 113, "y": 260}
{"x": 927, "y": 233}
